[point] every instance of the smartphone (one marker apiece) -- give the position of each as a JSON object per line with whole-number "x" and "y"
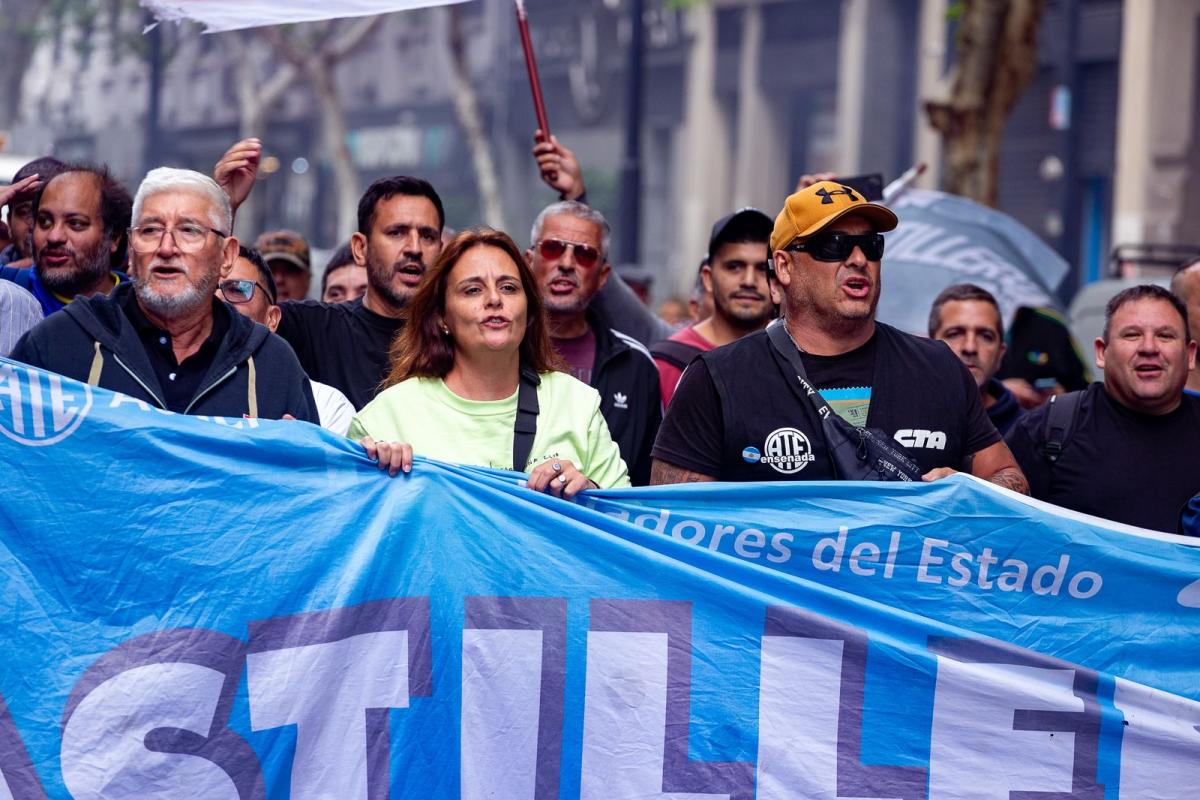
{"x": 869, "y": 185}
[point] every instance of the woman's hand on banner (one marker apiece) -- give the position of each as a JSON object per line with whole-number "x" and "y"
{"x": 559, "y": 477}
{"x": 392, "y": 456}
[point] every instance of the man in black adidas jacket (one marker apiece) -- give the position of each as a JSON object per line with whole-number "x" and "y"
{"x": 569, "y": 257}
{"x": 164, "y": 339}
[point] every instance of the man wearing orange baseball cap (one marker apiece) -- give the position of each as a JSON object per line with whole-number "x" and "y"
{"x": 826, "y": 392}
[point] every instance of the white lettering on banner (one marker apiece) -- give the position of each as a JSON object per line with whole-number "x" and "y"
{"x": 1004, "y": 721}
{"x": 941, "y": 561}
{"x": 1013, "y": 575}
{"x": 624, "y": 718}
{"x": 975, "y": 751}
{"x": 119, "y": 399}
{"x": 325, "y": 690}
{"x": 925, "y": 243}
{"x": 104, "y": 751}
{"x": 501, "y": 701}
{"x": 50, "y": 419}
{"x": 747, "y": 543}
{"x": 1160, "y": 743}
{"x": 799, "y": 700}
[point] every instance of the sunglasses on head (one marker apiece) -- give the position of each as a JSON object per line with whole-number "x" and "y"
{"x": 586, "y": 256}
{"x": 839, "y": 246}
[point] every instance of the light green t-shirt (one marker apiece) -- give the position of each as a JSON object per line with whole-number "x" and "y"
{"x": 439, "y": 424}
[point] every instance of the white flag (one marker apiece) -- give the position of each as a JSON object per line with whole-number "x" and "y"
{"x": 232, "y": 15}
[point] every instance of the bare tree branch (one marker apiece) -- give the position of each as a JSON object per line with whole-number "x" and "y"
{"x": 466, "y": 106}
{"x": 351, "y": 36}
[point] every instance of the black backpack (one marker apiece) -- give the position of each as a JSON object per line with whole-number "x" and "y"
{"x": 1060, "y": 424}
{"x": 678, "y": 354}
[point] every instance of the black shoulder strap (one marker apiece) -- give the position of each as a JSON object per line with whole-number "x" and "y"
{"x": 525, "y": 425}
{"x": 1060, "y": 423}
{"x": 781, "y": 340}
{"x": 857, "y": 453}
{"x": 678, "y": 354}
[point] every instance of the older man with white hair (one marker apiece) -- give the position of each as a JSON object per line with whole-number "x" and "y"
{"x": 165, "y": 339}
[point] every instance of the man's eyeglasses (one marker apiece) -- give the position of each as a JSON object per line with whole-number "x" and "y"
{"x": 239, "y": 290}
{"x": 586, "y": 256}
{"x": 839, "y": 246}
{"x": 188, "y": 237}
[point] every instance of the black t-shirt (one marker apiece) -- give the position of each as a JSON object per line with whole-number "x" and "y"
{"x": 844, "y": 380}
{"x": 1116, "y": 463}
{"x": 739, "y": 414}
{"x": 342, "y": 344}
{"x": 179, "y": 382}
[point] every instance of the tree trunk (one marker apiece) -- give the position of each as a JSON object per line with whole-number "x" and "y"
{"x": 18, "y": 29}
{"x": 996, "y": 62}
{"x": 333, "y": 136}
{"x": 466, "y": 106}
{"x": 256, "y": 99}
{"x": 318, "y": 64}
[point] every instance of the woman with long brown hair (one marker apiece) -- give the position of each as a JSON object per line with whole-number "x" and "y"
{"x": 475, "y": 380}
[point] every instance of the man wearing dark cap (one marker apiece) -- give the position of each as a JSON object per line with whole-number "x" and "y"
{"x": 735, "y": 275}
{"x": 742, "y": 412}
{"x": 288, "y": 256}
{"x": 20, "y": 210}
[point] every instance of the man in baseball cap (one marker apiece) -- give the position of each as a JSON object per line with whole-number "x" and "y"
{"x": 734, "y": 274}
{"x": 741, "y": 413}
{"x": 287, "y": 254}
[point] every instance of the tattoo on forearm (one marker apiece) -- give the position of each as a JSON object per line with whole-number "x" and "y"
{"x": 1011, "y": 478}
{"x": 661, "y": 472}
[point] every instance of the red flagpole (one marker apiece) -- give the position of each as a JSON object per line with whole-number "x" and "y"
{"x": 535, "y": 84}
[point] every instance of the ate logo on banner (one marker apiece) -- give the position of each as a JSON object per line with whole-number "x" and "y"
{"x": 36, "y": 408}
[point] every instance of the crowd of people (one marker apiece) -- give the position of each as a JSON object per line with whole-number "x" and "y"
{"x": 471, "y": 349}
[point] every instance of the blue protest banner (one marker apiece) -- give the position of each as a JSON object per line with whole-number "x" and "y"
{"x": 202, "y": 607}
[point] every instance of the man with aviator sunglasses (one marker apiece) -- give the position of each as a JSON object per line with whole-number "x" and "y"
{"x": 569, "y": 257}
{"x": 743, "y": 411}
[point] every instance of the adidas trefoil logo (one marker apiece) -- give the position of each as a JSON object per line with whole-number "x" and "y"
{"x": 620, "y": 401}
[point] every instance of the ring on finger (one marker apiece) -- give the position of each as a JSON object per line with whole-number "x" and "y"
{"x": 562, "y": 479}
{"x": 557, "y": 466}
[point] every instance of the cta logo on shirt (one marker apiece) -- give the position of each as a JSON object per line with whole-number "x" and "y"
{"x": 36, "y": 408}
{"x": 915, "y": 437}
{"x": 787, "y": 450}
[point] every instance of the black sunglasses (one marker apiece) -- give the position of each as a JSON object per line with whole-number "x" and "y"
{"x": 839, "y": 246}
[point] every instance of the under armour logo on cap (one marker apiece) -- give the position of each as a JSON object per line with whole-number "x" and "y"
{"x": 827, "y": 196}
{"x": 810, "y": 210}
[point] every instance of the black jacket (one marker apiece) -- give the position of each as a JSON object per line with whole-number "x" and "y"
{"x": 254, "y": 372}
{"x": 627, "y": 379}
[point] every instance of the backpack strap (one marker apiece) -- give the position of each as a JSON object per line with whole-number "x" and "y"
{"x": 525, "y": 425}
{"x": 677, "y": 354}
{"x": 1060, "y": 423}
